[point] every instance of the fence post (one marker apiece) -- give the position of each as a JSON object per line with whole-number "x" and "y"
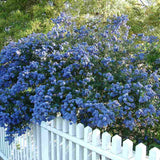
{"x": 44, "y": 142}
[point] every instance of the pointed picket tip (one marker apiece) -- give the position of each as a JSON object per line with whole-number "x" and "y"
{"x": 96, "y": 131}
{"x": 59, "y": 121}
{"x": 87, "y": 134}
{"x": 154, "y": 154}
{"x": 96, "y": 137}
{"x": 80, "y": 125}
{"x": 43, "y": 122}
{"x": 140, "y": 152}
{"x": 127, "y": 148}
{"x": 116, "y": 144}
{"x": 65, "y": 126}
{"x": 72, "y": 129}
{"x": 106, "y": 140}
{"x": 80, "y": 130}
{"x": 53, "y": 123}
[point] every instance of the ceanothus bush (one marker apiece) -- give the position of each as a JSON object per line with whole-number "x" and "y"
{"x": 94, "y": 75}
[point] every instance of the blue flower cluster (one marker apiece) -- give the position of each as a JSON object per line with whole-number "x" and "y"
{"x": 99, "y": 78}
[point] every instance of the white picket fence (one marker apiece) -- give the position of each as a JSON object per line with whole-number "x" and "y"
{"x": 62, "y": 140}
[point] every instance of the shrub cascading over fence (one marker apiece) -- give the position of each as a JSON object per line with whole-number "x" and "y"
{"x": 95, "y": 75}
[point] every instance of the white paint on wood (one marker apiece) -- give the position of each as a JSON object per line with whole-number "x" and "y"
{"x": 140, "y": 152}
{"x": 79, "y": 135}
{"x": 44, "y": 143}
{"x": 27, "y": 148}
{"x": 53, "y": 141}
{"x": 96, "y": 137}
{"x": 95, "y": 142}
{"x": 154, "y": 154}
{"x": 59, "y": 123}
{"x": 34, "y": 142}
{"x": 88, "y": 134}
{"x": 58, "y": 137}
{"x": 87, "y": 139}
{"x": 127, "y": 148}
{"x": 106, "y": 141}
{"x": 30, "y": 145}
{"x": 65, "y": 145}
{"x": 116, "y": 144}
{"x": 72, "y": 132}
{"x": 65, "y": 126}
{"x": 39, "y": 145}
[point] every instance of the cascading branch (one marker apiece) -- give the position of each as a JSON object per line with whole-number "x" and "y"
{"x": 96, "y": 76}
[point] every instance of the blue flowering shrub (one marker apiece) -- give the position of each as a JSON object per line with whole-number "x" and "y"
{"x": 97, "y": 76}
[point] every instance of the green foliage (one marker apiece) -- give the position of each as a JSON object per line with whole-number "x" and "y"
{"x": 19, "y": 18}
{"x": 153, "y": 58}
{"x": 144, "y": 19}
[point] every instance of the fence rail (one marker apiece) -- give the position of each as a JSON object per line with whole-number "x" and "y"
{"x": 61, "y": 140}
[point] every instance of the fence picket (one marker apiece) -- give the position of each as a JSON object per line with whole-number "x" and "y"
{"x": 116, "y": 144}
{"x": 87, "y": 139}
{"x": 4, "y": 146}
{"x": 62, "y": 140}
{"x": 21, "y": 147}
{"x": 18, "y": 148}
{"x": 44, "y": 142}
{"x": 127, "y": 148}
{"x": 3, "y": 141}
{"x": 72, "y": 132}
{"x": 10, "y": 152}
{"x": 24, "y": 147}
{"x": 59, "y": 138}
{"x": 65, "y": 141}
{"x": 106, "y": 142}
{"x": 6, "y": 151}
{"x": 49, "y": 142}
{"x": 14, "y": 151}
{"x": 1, "y": 132}
{"x": 39, "y": 146}
{"x": 140, "y": 152}
{"x": 27, "y": 148}
{"x": 30, "y": 145}
{"x": 34, "y": 142}
{"x": 53, "y": 141}
{"x": 79, "y": 135}
{"x": 95, "y": 142}
{"x": 154, "y": 154}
